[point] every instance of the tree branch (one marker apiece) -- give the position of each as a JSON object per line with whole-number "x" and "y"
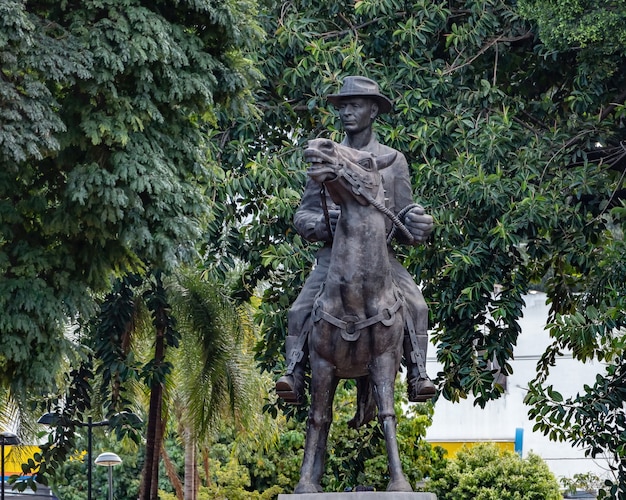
{"x": 609, "y": 109}
{"x": 486, "y": 47}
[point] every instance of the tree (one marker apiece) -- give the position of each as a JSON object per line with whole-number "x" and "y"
{"x": 212, "y": 378}
{"x": 593, "y": 326}
{"x": 183, "y": 339}
{"x": 515, "y": 149}
{"x": 104, "y": 166}
{"x": 588, "y": 28}
{"x": 196, "y": 373}
{"x": 40, "y": 287}
{"x": 106, "y": 109}
{"x": 485, "y": 472}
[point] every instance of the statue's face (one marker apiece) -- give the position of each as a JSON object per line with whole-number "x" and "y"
{"x": 357, "y": 113}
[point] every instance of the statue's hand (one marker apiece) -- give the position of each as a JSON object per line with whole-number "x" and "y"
{"x": 419, "y": 224}
{"x": 321, "y": 228}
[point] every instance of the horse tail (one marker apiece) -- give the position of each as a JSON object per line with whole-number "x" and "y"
{"x": 365, "y": 403}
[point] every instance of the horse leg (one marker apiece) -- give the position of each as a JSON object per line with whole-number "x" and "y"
{"x": 323, "y": 386}
{"x": 383, "y": 372}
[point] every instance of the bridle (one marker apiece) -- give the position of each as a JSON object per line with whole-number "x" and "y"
{"x": 357, "y": 189}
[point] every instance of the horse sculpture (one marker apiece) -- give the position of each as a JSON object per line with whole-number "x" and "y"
{"x": 357, "y": 323}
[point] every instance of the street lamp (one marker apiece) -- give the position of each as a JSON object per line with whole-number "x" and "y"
{"x": 110, "y": 460}
{"x": 6, "y": 439}
{"x": 52, "y": 418}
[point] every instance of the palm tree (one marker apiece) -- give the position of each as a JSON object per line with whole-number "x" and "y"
{"x": 184, "y": 337}
{"x": 213, "y": 371}
{"x": 181, "y": 336}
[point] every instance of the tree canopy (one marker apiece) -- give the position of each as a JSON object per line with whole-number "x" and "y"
{"x": 104, "y": 164}
{"x": 589, "y": 27}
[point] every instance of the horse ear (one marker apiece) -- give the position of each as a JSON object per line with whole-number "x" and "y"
{"x": 384, "y": 161}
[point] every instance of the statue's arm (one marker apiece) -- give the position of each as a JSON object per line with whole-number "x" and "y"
{"x": 417, "y": 221}
{"x": 309, "y": 218}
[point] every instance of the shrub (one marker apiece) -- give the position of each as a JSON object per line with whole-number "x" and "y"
{"x": 485, "y": 472}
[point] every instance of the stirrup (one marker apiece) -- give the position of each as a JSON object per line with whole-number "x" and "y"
{"x": 421, "y": 389}
{"x": 286, "y": 390}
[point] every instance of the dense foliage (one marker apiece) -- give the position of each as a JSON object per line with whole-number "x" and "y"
{"x": 238, "y": 464}
{"x": 104, "y": 166}
{"x": 592, "y": 34}
{"x": 126, "y": 146}
{"x": 591, "y": 28}
{"x": 356, "y": 457}
{"x": 515, "y": 148}
{"x": 105, "y": 170}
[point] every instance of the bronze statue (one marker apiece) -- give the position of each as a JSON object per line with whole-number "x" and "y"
{"x": 359, "y": 103}
{"x": 357, "y": 318}
{"x": 359, "y": 309}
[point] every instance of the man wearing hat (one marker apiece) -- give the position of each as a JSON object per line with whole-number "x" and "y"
{"x": 359, "y": 102}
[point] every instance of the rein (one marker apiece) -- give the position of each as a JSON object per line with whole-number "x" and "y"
{"x": 357, "y": 190}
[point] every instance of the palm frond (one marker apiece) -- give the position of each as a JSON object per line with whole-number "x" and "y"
{"x": 213, "y": 366}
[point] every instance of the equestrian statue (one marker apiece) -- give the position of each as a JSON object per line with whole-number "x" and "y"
{"x": 360, "y": 312}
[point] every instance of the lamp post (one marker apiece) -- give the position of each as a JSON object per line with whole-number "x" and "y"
{"x": 52, "y": 418}
{"x": 6, "y": 439}
{"x": 124, "y": 416}
{"x": 110, "y": 460}
{"x": 90, "y": 424}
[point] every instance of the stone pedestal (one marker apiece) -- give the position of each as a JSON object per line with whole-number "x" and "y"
{"x": 361, "y": 495}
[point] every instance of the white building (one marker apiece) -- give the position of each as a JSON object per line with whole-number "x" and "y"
{"x": 506, "y": 419}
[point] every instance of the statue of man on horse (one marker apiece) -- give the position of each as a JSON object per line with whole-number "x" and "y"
{"x": 359, "y": 102}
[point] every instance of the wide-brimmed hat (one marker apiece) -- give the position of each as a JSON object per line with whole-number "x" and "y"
{"x": 359, "y": 86}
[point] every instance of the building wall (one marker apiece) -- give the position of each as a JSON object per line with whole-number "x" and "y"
{"x": 500, "y": 420}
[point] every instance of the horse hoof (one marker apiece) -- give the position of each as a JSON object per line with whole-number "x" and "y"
{"x": 399, "y": 485}
{"x": 308, "y": 488}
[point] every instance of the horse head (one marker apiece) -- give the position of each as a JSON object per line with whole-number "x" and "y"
{"x": 352, "y": 169}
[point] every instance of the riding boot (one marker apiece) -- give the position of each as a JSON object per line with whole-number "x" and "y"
{"x": 290, "y": 386}
{"x": 420, "y": 388}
